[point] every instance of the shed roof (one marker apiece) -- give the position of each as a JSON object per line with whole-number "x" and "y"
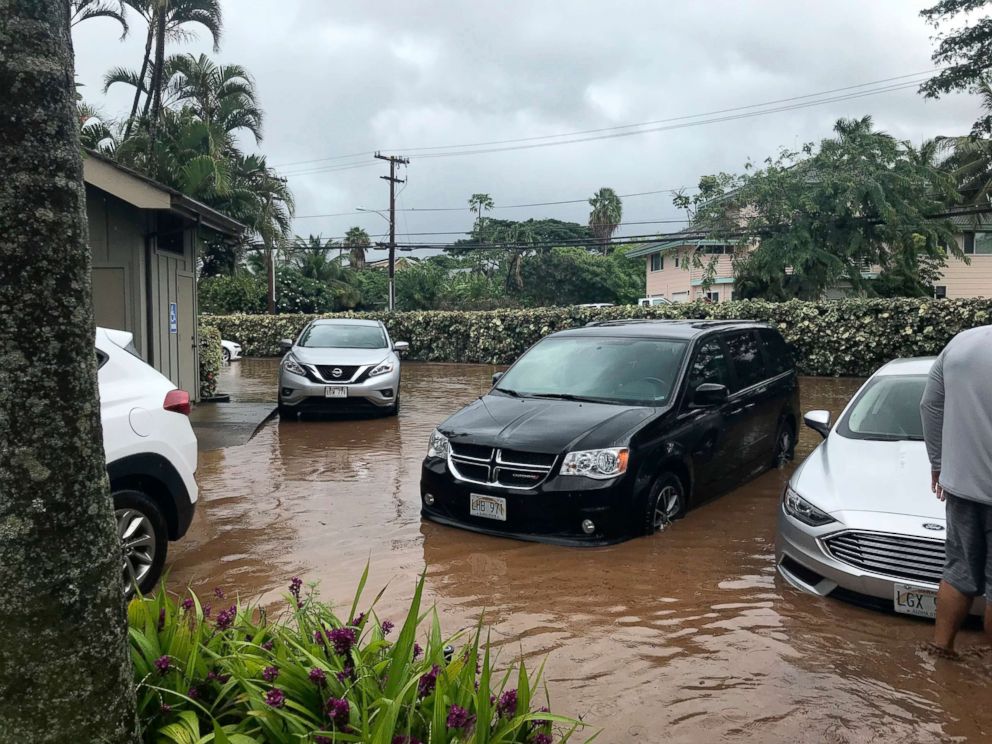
{"x": 143, "y": 192}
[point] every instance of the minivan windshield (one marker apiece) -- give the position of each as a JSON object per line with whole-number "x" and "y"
{"x": 887, "y": 408}
{"x": 639, "y": 371}
{"x": 343, "y": 336}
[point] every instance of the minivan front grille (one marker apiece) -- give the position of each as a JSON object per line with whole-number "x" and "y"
{"x": 489, "y": 466}
{"x": 897, "y": 556}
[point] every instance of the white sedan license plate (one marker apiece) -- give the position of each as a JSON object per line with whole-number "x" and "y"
{"x": 490, "y": 507}
{"x": 911, "y": 600}
{"x": 336, "y": 391}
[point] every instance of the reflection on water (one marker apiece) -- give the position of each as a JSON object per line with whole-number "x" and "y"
{"x": 687, "y": 636}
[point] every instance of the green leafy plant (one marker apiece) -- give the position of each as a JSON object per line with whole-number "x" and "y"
{"x": 236, "y": 676}
{"x": 211, "y": 359}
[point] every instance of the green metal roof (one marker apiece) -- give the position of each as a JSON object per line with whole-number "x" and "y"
{"x": 718, "y": 280}
{"x": 647, "y": 250}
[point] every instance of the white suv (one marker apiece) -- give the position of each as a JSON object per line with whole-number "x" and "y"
{"x": 151, "y": 456}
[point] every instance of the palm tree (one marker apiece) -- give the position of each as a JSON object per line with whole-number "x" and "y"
{"x": 84, "y": 10}
{"x": 357, "y": 240}
{"x": 479, "y": 202}
{"x": 969, "y": 157}
{"x": 606, "y": 214}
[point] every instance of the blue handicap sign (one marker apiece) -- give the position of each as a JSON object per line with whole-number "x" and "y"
{"x": 173, "y": 318}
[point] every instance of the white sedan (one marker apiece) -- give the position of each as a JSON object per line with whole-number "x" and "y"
{"x": 858, "y": 519}
{"x": 230, "y": 351}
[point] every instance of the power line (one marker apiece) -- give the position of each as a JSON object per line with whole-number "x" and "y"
{"x": 684, "y": 117}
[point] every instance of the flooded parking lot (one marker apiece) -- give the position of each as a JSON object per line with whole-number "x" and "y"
{"x": 686, "y": 636}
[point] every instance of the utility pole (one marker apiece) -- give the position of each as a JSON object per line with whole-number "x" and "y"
{"x": 393, "y": 160}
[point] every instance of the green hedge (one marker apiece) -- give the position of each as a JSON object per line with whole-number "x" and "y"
{"x": 837, "y": 337}
{"x": 210, "y": 359}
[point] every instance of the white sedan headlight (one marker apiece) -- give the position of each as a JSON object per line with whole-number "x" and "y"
{"x": 798, "y": 507}
{"x": 438, "y": 445}
{"x": 381, "y": 369}
{"x": 600, "y": 463}
{"x": 290, "y": 364}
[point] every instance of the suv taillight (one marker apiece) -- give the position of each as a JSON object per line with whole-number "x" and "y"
{"x": 177, "y": 401}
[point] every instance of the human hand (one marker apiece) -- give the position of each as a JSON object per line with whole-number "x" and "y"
{"x": 935, "y": 485}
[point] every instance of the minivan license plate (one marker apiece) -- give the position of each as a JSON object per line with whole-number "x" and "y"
{"x": 336, "y": 391}
{"x": 490, "y": 507}
{"x": 911, "y": 600}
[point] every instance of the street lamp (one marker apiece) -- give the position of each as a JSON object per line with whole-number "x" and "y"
{"x": 392, "y": 248}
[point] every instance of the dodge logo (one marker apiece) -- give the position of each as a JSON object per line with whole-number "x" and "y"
{"x": 933, "y": 526}
{"x": 336, "y": 372}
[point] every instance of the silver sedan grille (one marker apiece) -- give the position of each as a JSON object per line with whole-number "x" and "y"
{"x": 897, "y": 556}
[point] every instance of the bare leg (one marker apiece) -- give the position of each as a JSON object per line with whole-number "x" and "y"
{"x": 952, "y": 611}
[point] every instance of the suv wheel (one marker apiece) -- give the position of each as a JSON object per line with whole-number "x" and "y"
{"x": 144, "y": 539}
{"x": 287, "y": 414}
{"x": 395, "y": 409}
{"x": 785, "y": 445}
{"x": 665, "y": 503}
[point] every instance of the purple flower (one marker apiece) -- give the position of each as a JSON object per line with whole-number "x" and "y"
{"x": 275, "y": 698}
{"x": 356, "y": 622}
{"x": 163, "y": 664}
{"x": 206, "y": 611}
{"x": 387, "y": 627}
{"x": 417, "y": 651}
{"x": 165, "y": 709}
{"x": 339, "y": 711}
{"x": 193, "y": 693}
{"x": 218, "y": 592}
{"x": 458, "y": 718}
{"x": 318, "y": 637}
{"x": 215, "y": 676}
{"x": 161, "y": 619}
{"x": 225, "y": 618}
{"x": 403, "y": 739}
{"x": 270, "y": 673}
{"x": 295, "y": 585}
{"x": 318, "y": 676}
{"x": 508, "y": 703}
{"x": 347, "y": 673}
{"x": 543, "y": 739}
{"x": 427, "y": 683}
{"x": 268, "y": 645}
{"x": 343, "y": 639}
{"x": 187, "y": 604}
{"x": 321, "y": 740}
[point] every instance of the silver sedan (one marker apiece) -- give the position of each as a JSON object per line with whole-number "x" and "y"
{"x": 858, "y": 519}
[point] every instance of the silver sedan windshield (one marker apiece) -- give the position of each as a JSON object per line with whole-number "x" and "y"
{"x": 887, "y": 408}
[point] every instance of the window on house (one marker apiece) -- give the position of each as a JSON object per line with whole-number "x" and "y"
{"x": 983, "y": 244}
{"x": 713, "y": 297}
{"x": 657, "y": 262}
{"x": 717, "y": 249}
{"x": 940, "y": 291}
{"x": 676, "y": 260}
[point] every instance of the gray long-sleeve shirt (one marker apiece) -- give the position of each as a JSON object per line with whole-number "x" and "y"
{"x": 957, "y": 415}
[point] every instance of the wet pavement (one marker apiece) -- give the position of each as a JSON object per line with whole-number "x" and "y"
{"x": 686, "y": 636}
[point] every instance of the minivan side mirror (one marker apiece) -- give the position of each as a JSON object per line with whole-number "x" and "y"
{"x": 496, "y": 376}
{"x": 710, "y": 394}
{"x": 818, "y": 421}
{"x": 401, "y": 346}
{"x": 285, "y": 345}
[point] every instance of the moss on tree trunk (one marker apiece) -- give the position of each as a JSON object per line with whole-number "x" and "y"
{"x": 65, "y": 672}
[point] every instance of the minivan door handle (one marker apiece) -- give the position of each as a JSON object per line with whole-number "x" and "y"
{"x": 762, "y": 389}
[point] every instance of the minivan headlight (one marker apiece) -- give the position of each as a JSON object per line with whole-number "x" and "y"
{"x": 290, "y": 364}
{"x": 798, "y": 507}
{"x": 381, "y": 369}
{"x": 599, "y": 463}
{"x": 438, "y": 445}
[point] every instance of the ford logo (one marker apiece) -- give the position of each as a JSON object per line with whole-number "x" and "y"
{"x": 336, "y": 372}
{"x": 933, "y": 526}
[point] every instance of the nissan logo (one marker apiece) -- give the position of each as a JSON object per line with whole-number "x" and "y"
{"x": 336, "y": 372}
{"x": 933, "y": 526}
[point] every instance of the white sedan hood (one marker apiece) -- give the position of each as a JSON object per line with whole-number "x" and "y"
{"x": 855, "y": 475}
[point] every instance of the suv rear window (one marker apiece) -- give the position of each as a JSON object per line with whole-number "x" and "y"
{"x": 745, "y": 353}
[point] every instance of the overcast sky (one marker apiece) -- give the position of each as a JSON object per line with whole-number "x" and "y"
{"x": 341, "y": 78}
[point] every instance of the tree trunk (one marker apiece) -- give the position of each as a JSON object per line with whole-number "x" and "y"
{"x": 65, "y": 669}
{"x": 158, "y": 79}
{"x": 144, "y": 71}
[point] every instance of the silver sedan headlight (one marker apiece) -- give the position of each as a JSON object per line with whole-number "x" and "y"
{"x": 798, "y": 507}
{"x": 290, "y": 364}
{"x": 599, "y": 463}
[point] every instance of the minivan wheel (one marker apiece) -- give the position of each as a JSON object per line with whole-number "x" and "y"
{"x": 785, "y": 445}
{"x": 144, "y": 539}
{"x": 665, "y": 503}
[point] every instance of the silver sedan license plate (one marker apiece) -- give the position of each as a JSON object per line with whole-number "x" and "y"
{"x": 912, "y": 600}
{"x": 490, "y": 507}
{"x": 335, "y": 391}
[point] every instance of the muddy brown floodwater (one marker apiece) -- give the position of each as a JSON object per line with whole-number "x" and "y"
{"x": 686, "y": 636}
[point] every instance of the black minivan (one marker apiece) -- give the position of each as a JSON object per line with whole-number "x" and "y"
{"x": 601, "y": 433}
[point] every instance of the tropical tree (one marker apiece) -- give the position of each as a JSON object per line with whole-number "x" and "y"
{"x": 84, "y": 10}
{"x": 356, "y": 240}
{"x": 605, "y": 216}
{"x": 969, "y": 157}
{"x": 479, "y": 203}
{"x": 962, "y": 52}
{"x": 65, "y": 669}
